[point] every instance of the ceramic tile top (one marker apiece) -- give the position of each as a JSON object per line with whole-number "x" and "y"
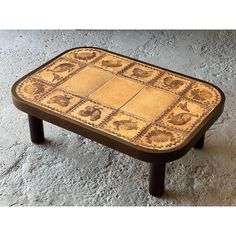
{"x": 128, "y": 100}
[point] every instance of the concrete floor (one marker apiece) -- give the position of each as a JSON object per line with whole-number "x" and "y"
{"x": 73, "y": 171}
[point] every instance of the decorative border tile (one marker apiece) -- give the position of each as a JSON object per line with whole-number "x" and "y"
{"x": 57, "y": 71}
{"x": 124, "y": 125}
{"x": 31, "y": 89}
{"x": 185, "y": 115}
{"x": 159, "y": 137}
{"x": 91, "y": 113}
{"x": 172, "y": 83}
{"x": 113, "y": 63}
{"x": 142, "y": 73}
{"x": 59, "y": 101}
{"x": 83, "y": 55}
{"x": 204, "y": 94}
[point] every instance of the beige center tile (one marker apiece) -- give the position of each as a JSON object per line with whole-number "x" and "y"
{"x": 116, "y": 92}
{"x": 149, "y": 103}
{"x": 86, "y": 81}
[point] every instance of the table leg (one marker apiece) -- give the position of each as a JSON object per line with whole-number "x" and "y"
{"x": 200, "y": 142}
{"x": 36, "y": 129}
{"x": 157, "y": 179}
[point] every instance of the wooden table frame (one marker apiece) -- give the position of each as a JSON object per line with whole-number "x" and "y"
{"x": 157, "y": 159}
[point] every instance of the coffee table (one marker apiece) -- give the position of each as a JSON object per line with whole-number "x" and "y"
{"x": 147, "y": 112}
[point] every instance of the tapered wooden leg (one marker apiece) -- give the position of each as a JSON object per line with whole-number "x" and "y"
{"x": 36, "y": 129}
{"x": 157, "y": 179}
{"x": 200, "y": 142}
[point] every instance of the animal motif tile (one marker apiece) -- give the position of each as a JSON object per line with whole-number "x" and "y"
{"x": 57, "y": 71}
{"x": 85, "y": 55}
{"x": 185, "y": 115}
{"x": 91, "y": 113}
{"x": 113, "y": 63}
{"x": 130, "y": 100}
{"x": 124, "y": 125}
{"x": 172, "y": 83}
{"x": 31, "y": 89}
{"x": 158, "y": 137}
{"x": 59, "y": 101}
{"x": 203, "y": 93}
{"x": 142, "y": 73}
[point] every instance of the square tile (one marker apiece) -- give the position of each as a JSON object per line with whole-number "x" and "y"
{"x": 116, "y": 92}
{"x": 57, "y": 71}
{"x": 91, "y": 113}
{"x": 149, "y": 103}
{"x": 158, "y": 137}
{"x": 86, "y": 81}
{"x": 113, "y": 63}
{"x": 185, "y": 115}
{"x": 83, "y": 55}
{"x": 124, "y": 125}
{"x": 32, "y": 89}
{"x": 142, "y": 73}
{"x": 172, "y": 83}
{"x": 59, "y": 101}
{"x": 204, "y": 93}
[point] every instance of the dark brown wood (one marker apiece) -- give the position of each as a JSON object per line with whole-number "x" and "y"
{"x": 200, "y": 142}
{"x": 36, "y": 129}
{"x": 157, "y": 179}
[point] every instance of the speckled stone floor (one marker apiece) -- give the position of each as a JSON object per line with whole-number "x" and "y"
{"x": 70, "y": 170}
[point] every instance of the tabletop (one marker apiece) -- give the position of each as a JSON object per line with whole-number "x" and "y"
{"x": 145, "y": 105}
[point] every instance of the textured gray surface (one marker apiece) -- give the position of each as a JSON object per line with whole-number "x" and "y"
{"x": 73, "y": 171}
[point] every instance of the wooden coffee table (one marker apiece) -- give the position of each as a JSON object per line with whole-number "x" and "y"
{"x": 148, "y": 112}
